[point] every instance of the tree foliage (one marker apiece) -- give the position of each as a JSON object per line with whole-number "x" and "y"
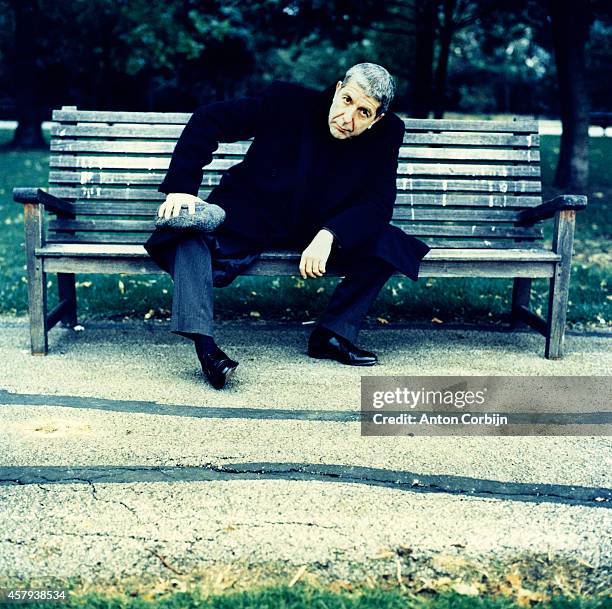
{"x": 462, "y": 55}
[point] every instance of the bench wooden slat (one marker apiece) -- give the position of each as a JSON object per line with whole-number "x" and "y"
{"x": 459, "y": 230}
{"x": 108, "y": 131}
{"x": 97, "y": 238}
{"x": 403, "y": 184}
{"x": 131, "y": 146}
{"x": 404, "y": 212}
{"x": 99, "y": 163}
{"x": 114, "y": 116}
{"x": 109, "y": 162}
{"x": 447, "y": 200}
{"x": 469, "y": 154}
{"x": 429, "y": 200}
{"x": 510, "y": 270}
{"x": 516, "y": 125}
{"x": 406, "y": 152}
{"x": 172, "y": 132}
{"x": 72, "y": 115}
{"x": 124, "y": 178}
{"x": 465, "y": 138}
{"x": 474, "y": 230}
{"x": 469, "y": 255}
{"x": 465, "y": 185}
{"x": 471, "y": 169}
{"x": 140, "y": 238}
{"x": 401, "y": 212}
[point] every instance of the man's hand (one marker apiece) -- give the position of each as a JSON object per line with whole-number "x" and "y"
{"x": 314, "y": 257}
{"x": 174, "y": 201}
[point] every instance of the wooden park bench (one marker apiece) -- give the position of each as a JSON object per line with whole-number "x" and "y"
{"x": 470, "y": 189}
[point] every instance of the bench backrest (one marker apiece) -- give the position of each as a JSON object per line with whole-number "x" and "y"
{"x": 460, "y": 183}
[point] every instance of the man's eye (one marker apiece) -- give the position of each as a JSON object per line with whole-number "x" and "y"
{"x": 346, "y": 99}
{"x": 365, "y": 114}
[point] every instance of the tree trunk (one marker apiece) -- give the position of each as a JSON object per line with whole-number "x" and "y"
{"x": 446, "y": 35}
{"x": 422, "y": 94}
{"x": 26, "y": 79}
{"x": 571, "y": 23}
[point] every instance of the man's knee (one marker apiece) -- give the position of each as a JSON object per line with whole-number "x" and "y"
{"x": 189, "y": 253}
{"x": 368, "y": 268}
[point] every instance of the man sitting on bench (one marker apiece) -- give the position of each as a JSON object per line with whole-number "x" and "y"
{"x": 320, "y": 176}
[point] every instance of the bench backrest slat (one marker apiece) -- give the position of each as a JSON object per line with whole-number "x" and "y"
{"x": 460, "y": 183}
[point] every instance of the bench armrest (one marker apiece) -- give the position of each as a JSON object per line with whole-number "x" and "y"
{"x": 40, "y": 197}
{"x": 550, "y": 208}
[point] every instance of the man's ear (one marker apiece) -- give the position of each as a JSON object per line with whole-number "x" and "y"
{"x": 338, "y": 85}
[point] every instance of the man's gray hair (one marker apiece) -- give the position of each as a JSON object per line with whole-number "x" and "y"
{"x": 375, "y": 81}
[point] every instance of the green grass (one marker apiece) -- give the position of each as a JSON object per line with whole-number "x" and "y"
{"x": 307, "y": 597}
{"x": 447, "y": 300}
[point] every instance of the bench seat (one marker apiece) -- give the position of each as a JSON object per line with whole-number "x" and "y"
{"x": 94, "y": 257}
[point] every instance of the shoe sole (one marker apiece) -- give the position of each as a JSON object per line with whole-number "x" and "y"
{"x": 341, "y": 362}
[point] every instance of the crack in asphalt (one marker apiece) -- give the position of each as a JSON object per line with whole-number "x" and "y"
{"x": 112, "y": 501}
{"x": 400, "y": 480}
{"x": 36, "y": 540}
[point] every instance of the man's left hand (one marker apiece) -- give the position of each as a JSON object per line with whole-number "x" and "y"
{"x": 314, "y": 257}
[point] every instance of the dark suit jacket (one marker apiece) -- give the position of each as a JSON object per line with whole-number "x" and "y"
{"x": 296, "y": 178}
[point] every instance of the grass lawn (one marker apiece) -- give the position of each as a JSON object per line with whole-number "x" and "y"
{"x": 307, "y": 597}
{"x": 440, "y": 299}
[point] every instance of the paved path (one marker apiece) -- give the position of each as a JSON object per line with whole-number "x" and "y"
{"x": 117, "y": 460}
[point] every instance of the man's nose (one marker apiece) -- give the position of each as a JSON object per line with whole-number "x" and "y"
{"x": 347, "y": 117}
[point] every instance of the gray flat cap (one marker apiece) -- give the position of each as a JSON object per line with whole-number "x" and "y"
{"x": 207, "y": 218}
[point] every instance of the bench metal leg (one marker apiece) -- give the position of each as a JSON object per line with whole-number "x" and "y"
{"x": 563, "y": 239}
{"x": 521, "y": 292}
{"x": 67, "y": 293}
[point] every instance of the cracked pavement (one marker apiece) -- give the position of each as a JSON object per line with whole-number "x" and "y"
{"x": 118, "y": 460}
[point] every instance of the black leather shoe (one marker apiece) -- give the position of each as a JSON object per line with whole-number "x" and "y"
{"x": 217, "y": 367}
{"x": 324, "y": 344}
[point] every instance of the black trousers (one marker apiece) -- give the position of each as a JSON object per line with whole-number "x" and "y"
{"x": 198, "y": 263}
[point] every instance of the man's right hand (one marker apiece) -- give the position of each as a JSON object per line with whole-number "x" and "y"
{"x": 174, "y": 201}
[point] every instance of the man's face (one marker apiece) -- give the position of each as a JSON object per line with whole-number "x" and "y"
{"x": 351, "y": 111}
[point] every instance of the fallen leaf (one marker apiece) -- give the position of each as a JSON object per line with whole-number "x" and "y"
{"x": 297, "y": 576}
{"x": 255, "y": 314}
{"x": 434, "y": 585}
{"x": 384, "y": 553}
{"x": 466, "y": 589}
{"x": 514, "y": 579}
{"x": 436, "y": 320}
{"x": 340, "y": 585}
{"x": 449, "y": 563}
{"x": 525, "y": 598}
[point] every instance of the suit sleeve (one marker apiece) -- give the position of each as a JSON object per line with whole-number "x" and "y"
{"x": 372, "y": 209}
{"x": 209, "y": 125}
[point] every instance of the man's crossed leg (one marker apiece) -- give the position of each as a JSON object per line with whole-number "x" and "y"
{"x": 200, "y": 262}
